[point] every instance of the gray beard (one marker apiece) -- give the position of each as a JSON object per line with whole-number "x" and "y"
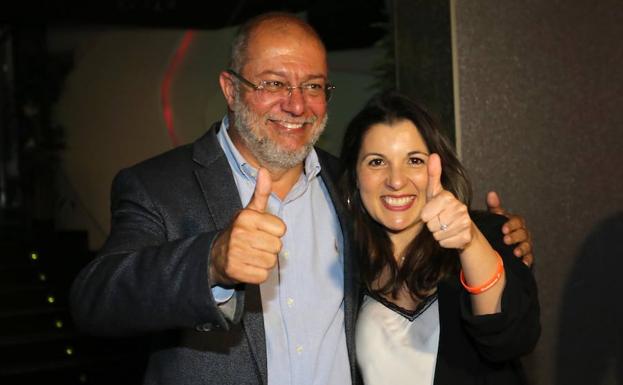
{"x": 268, "y": 152}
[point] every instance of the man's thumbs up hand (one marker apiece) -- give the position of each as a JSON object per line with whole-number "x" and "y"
{"x": 248, "y": 249}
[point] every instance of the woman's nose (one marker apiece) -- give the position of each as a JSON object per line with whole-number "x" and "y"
{"x": 396, "y": 178}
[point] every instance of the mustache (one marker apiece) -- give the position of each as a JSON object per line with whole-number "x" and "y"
{"x": 290, "y": 119}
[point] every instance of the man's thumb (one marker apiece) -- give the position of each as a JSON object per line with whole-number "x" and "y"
{"x": 263, "y": 186}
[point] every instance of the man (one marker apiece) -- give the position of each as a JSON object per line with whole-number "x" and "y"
{"x": 233, "y": 251}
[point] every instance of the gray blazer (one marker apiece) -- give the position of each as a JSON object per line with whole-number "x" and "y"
{"x": 151, "y": 275}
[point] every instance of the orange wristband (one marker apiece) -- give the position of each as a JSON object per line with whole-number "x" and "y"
{"x": 487, "y": 285}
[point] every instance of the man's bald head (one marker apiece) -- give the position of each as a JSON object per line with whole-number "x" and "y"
{"x": 273, "y": 22}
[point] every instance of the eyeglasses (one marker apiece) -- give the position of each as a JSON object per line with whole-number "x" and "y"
{"x": 311, "y": 91}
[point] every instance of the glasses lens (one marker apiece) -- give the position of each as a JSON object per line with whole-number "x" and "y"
{"x": 314, "y": 91}
{"x": 274, "y": 87}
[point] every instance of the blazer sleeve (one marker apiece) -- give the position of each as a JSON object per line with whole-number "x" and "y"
{"x": 515, "y": 330}
{"x": 142, "y": 282}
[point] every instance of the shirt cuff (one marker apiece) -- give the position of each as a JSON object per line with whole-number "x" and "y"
{"x": 221, "y": 294}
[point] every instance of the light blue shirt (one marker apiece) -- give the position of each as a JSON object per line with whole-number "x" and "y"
{"x": 303, "y": 297}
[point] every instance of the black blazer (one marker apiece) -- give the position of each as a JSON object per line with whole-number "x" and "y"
{"x": 151, "y": 274}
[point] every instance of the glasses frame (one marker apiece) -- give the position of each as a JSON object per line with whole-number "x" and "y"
{"x": 328, "y": 88}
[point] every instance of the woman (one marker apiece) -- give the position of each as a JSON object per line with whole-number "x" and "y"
{"x": 446, "y": 301}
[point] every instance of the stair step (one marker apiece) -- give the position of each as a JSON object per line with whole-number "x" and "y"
{"x": 38, "y": 322}
{"x": 16, "y": 352}
{"x": 31, "y": 311}
{"x": 17, "y": 275}
{"x": 9, "y": 342}
{"x": 119, "y": 370}
{"x": 38, "y": 350}
{"x": 26, "y": 297}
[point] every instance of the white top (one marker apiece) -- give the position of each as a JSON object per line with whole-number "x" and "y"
{"x": 394, "y": 348}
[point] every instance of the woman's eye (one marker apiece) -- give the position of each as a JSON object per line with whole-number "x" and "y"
{"x": 375, "y": 162}
{"x": 416, "y": 161}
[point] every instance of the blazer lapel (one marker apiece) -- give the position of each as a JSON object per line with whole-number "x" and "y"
{"x": 223, "y": 200}
{"x": 216, "y": 179}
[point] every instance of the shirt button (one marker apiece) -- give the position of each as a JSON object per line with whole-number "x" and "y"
{"x": 286, "y": 254}
{"x": 290, "y": 302}
{"x": 299, "y": 349}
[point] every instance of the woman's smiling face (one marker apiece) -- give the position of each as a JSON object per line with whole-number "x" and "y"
{"x": 392, "y": 176}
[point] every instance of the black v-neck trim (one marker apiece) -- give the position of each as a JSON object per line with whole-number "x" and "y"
{"x": 410, "y": 315}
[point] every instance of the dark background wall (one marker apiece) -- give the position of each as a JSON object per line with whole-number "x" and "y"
{"x": 540, "y": 95}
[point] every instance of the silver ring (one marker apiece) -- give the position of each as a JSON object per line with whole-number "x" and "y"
{"x": 442, "y": 226}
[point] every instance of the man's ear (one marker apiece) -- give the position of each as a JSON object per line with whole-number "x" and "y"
{"x": 228, "y": 88}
